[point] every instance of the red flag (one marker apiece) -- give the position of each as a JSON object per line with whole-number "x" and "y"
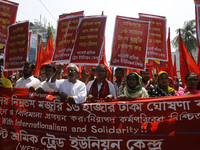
{"x": 183, "y": 63}
{"x": 104, "y": 62}
{"x": 170, "y": 69}
{"x": 37, "y": 63}
{"x": 198, "y": 59}
{"x": 29, "y": 40}
{"x": 187, "y": 64}
{"x": 174, "y": 67}
{"x": 44, "y": 56}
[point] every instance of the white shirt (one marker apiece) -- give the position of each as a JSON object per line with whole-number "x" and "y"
{"x": 77, "y": 90}
{"x": 110, "y": 85}
{"x": 27, "y": 83}
{"x": 45, "y": 86}
{"x": 118, "y": 89}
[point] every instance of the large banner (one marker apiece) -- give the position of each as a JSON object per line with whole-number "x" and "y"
{"x": 36, "y": 121}
{"x": 17, "y": 46}
{"x": 197, "y": 17}
{"x": 156, "y": 63}
{"x": 71, "y": 14}
{"x": 130, "y": 43}
{"x": 89, "y": 40}
{"x": 8, "y": 12}
{"x": 65, "y": 38}
{"x": 157, "y": 37}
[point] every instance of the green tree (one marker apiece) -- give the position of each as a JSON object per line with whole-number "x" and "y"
{"x": 188, "y": 33}
{"x": 49, "y": 32}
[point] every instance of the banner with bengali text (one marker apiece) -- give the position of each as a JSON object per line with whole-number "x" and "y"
{"x": 65, "y": 38}
{"x": 17, "y": 46}
{"x": 197, "y": 18}
{"x": 8, "y": 13}
{"x": 41, "y": 121}
{"x": 89, "y": 40}
{"x": 71, "y": 14}
{"x": 157, "y": 37}
{"x": 130, "y": 43}
{"x": 156, "y": 63}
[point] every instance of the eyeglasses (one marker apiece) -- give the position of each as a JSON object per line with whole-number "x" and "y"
{"x": 72, "y": 70}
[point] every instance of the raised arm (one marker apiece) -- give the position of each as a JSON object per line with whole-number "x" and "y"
{"x": 55, "y": 75}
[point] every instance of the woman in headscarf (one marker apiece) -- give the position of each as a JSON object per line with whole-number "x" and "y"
{"x": 191, "y": 81}
{"x": 134, "y": 87}
{"x": 162, "y": 88}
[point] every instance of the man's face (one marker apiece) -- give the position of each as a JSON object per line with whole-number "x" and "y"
{"x": 49, "y": 72}
{"x": 119, "y": 75}
{"x": 71, "y": 73}
{"x": 145, "y": 76}
{"x": 27, "y": 70}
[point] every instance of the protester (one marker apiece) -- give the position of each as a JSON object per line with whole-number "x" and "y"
{"x": 28, "y": 80}
{"x": 134, "y": 87}
{"x": 118, "y": 82}
{"x": 191, "y": 81}
{"x": 50, "y": 69}
{"x": 162, "y": 88}
{"x": 91, "y": 75}
{"x": 152, "y": 81}
{"x": 101, "y": 87}
{"x": 42, "y": 77}
{"x": 4, "y": 81}
{"x": 84, "y": 76}
{"x": 71, "y": 89}
{"x": 145, "y": 76}
{"x": 177, "y": 87}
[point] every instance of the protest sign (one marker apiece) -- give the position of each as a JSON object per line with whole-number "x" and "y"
{"x": 129, "y": 43}
{"x": 30, "y": 120}
{"x": 157, "y": 37}
{"x": 65, "y": 38}
{"x": 71, "y": 14}
{"x": 89, "y": 40}
{"x": 8, "y": 13}
{"x": 17, "y": 46}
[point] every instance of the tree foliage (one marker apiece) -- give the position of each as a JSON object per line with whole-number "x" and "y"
{"x": 49, "y": 32}
{"x": 188, "y": 33}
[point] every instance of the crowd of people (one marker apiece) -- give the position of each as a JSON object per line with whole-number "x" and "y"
{"x": 94, "y": 84}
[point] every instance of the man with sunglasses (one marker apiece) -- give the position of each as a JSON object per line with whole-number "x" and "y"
{"x": 71, "y": 89}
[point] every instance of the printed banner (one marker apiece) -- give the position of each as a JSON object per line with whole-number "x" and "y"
{"x": 65, "y": 38}
{"x": 157, "y": 37}
{"x": 17, "y": 46}
{"x": 156, "y": 63}
{"x": 36, "y": 121}
{"x": 130, "y": 43}
{"x": 71, "y": 14}
{"x": 8, "y": 13}
{"x": 89, "y": 40}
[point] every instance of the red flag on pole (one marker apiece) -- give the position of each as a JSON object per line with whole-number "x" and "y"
{"x": 170, "y": 69}
{"x": 37, "y": 63}
{"x": 187, "y": 63}
{"x": 174, "y": 67}
{"x": 44, "y": 56}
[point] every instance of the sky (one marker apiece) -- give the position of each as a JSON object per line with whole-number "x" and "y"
{"x": 175, "y": 11}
